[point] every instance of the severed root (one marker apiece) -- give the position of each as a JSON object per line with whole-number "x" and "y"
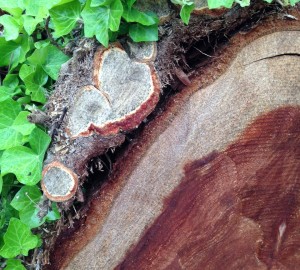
{"x": 59, "y": 183}
{"x": 118, "y": 94}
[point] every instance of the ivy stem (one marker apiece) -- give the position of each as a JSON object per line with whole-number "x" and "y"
{"x": 49, "y": 34}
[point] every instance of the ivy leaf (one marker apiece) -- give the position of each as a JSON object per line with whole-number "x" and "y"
{"x": 8, "y": 181}
{"x": 6, "y": 93}
{"x": 25, "y": 201}
{"x": 27, "y": 165}
{"x": 39, "y": 8}
{"x": 22, "y": 125}
{"x": 54, "y": 213}
{"x": 64, "y": 17}
{"x": 1, "y": 184}
{"x": 140, "y": 33}
{"x": 62, "y": 2}
{"x": 294, "y": 2}
{"x": 26, "y": 197}
{"x": 98, "y": 20}
{"x": 6, "y": 212}
{"x": 18, "y": 239}
{"x": 243, "y": 3}
{"x": 115, "y": 12}
{"x": 10, "y": 135}
{"x": 34, "y": 78}
{"x": 130, "y": 3}
{"x": 13, "y": 264}
{"x": 39, "y": 142}
{"x": 41, "y": 44}
{"x": 11, "y": 80}
{"x": 30, "y": 217}
{"x": 30, "y": 23}
{"x": 50, "y": 59}
{"x": 131, "y": 14}
{"x": 15, "y": 8}
{"x": 96, "y": 3}
{"x": 185, "y": 13}
{"x": 219, "y": 3}
{"x": 14, "y": 52}
{"x": 11, "y": 27}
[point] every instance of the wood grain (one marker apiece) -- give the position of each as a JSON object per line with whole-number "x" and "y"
{"x": 213, "y": 182}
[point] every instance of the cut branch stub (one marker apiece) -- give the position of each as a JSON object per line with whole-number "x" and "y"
{"x": 142, "y": 51}
{"x": 131, "y": 88}
{"x": 116, "y": 95}
{"x": 126, "y": 93}
{"x": 59, "y": 183}
{"x": 91, "y": 107}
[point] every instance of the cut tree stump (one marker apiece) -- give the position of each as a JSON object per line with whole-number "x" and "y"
{"x": 114, "y": 97}
{"x": 214, "y": 181}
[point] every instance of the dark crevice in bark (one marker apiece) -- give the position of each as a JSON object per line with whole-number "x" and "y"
{"x": 273, "y": 56}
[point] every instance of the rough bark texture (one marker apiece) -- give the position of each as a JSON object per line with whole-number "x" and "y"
{"x": 213, "y": 182}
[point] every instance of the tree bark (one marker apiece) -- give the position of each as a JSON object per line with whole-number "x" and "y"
{"x": 213, "y": 181}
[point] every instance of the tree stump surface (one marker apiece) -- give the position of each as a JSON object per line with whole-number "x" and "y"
{"x": 214, "y": 181}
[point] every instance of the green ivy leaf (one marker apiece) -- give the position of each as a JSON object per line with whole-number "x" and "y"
{"x": 294, "y": 2}
{"x": 130, "y": 3}
{"x": 50, "y": 59}
{"x": 6, "y": 211}
{"x": 8, "y": 181}
{"x": 18, "y": 239}
{"x": 13, "y": 124}
{"x": 11, "y": 80}
{"x": 39, "y": 8}
{"x": 96, "y": 3}
{"x": 28, "y": 162}
{"x": 14, "y": 52}
{"x": 25, "y": 201}
{"x": 98, "y": 20}
{"x": 140, "y": 33}
{"x": 54, "y": 213}
{"x": 115, "y": 13}
{"x": 243, "y": 3}
{"x": 185, "y": 13}
{"x": 11, "y": 27}
{"x": 30, "y": 23}
{"x": 62, "y": 2}
{"x": 131, "y": 14}
{"x": 24, "y": 100}
{"x": 219, "y": 3}
{"x": 26, "y": 197}
{"x": 41, "y": 44}
{"x": 64, "y": 17}
{"x": 6, "y": 93}
{"x": 1, "y": 183}
{"x": 34, "y": 78}
{"x": 26, "y": 165}
{"x": 13, "y": 264}
{"x": 22, "y": 125}
{"x": 15, "y": 8}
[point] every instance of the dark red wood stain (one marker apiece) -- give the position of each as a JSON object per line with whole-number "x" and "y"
{"x": 236, "y": 209}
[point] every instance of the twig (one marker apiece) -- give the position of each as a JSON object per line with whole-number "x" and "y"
{"x": 49, "y": 34}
